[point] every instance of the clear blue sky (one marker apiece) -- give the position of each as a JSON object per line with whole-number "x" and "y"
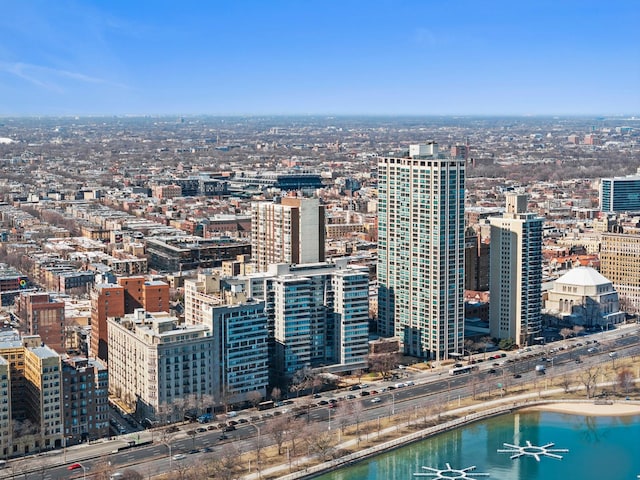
{"x": 419, "y": 57}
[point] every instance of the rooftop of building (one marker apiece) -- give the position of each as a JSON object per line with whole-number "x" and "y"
{"x": 44, "y": 352}
{"x": 583, "y": 276}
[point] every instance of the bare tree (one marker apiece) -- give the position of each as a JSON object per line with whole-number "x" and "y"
{"x": 577, "y": 330}
{"x": 383, "y": 363}
{"x": 565, "y": 382}
{"x": 342, "y": 416}
{"x": 277, "y": 429}
{"x": 182, "y": 468}
{"x": 625, "y": 380}
{"x": 566, "y": 332}
{"x": 469, "y": 345}
{"x": 254, "y": 397}
{"x": 485, "y": 343}
{"x": 297, "y": 430}
{"x": 208, "y": 403}
{"x": 355, "y": 411}
{"x": 588, "y": 378}
{"x": 301, "y": 380}
{"x": 226, "y": 466}
{"x": 276, "y": 394}
{"x": 130, "y": 474}
{"x": 320, "y": 442}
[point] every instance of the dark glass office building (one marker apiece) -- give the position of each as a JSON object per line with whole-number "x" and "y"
{"x": 620, "y": 194}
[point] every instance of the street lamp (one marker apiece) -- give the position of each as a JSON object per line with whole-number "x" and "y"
{"x": 170, "y": 457}
{"x": 77, "y": 465}
{"x": 393, "y": 403}
{"x": 259, "y": 446}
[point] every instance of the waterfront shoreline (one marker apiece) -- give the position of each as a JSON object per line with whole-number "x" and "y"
{"x": 617, "y": 409}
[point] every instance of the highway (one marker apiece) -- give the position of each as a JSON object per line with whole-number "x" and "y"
{"x": 430, "y": 388}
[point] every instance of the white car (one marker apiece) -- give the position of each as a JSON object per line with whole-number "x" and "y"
{"x": 179, "y": 456}
{"x": 376, "y": 400}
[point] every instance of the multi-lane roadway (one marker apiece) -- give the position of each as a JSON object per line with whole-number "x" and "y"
{"x": 424, "y": 389}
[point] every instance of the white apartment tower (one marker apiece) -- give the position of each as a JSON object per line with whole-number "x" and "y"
{"x": 515, "y": 274}
{"x": 157, "y": 364}
{"x": 421, "y": 251}
{"x": 287, "y": 230}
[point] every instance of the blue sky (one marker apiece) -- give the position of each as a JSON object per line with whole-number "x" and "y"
{"x": 416, "y": 57}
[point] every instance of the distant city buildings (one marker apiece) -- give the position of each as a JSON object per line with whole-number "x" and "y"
{"x": 516, "y": 272}
{"x": 421, "y": 251}
{"x": 243, "y": 228}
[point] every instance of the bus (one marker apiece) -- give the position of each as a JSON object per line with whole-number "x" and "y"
{"x": 461, "y": 370}
{"x": 266, "y": 405}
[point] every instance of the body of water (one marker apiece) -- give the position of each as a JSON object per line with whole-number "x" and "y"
{"x": 599, "y": 448}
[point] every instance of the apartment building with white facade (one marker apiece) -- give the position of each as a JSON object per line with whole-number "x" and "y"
{"x": 516, "y": 272}
{"x": 287, "y": 230}
{"x": 158, "y": 363}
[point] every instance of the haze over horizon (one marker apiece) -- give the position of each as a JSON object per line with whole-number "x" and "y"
{"x": 320, "y": 57}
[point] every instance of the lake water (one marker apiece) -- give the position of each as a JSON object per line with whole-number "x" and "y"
{"x": 600, "y": 448}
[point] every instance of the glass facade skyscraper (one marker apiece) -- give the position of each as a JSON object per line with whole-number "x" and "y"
{"x": 620, "y": 194}
{"x": 421, "y": 251}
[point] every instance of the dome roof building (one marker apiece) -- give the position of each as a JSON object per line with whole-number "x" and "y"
{"x": 584, "y": 297}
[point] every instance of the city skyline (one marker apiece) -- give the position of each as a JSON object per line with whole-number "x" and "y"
{"x": 290, "y": 58}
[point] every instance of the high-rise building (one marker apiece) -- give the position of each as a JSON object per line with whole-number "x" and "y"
{"x": 240, "y": 361}
{"x": 5, "y": 407}
{"x": 107, "y": 300}
{"x": 620, "y": 194}
{"x": 620, "y": 263}
{"x": 516, "y": 272}
{"x": 288, "y": 230}
{"x": 43, "y": 316}
{"x": 140, "y": 292}
{"x": 476, "y": 262}
{"x": 157, "y": 363}
{"x": 239, "y": 327}
{"x": 86, "y": 400}
{"x": 317, "y": 315}
{"x": 421, "y": 251}
{"x": 34, "y": 386}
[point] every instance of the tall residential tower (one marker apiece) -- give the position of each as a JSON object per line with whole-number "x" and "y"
{"x": 516, "y": 272}
{"x": 421, "y": 251}
{"x": 290, "y": 230}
